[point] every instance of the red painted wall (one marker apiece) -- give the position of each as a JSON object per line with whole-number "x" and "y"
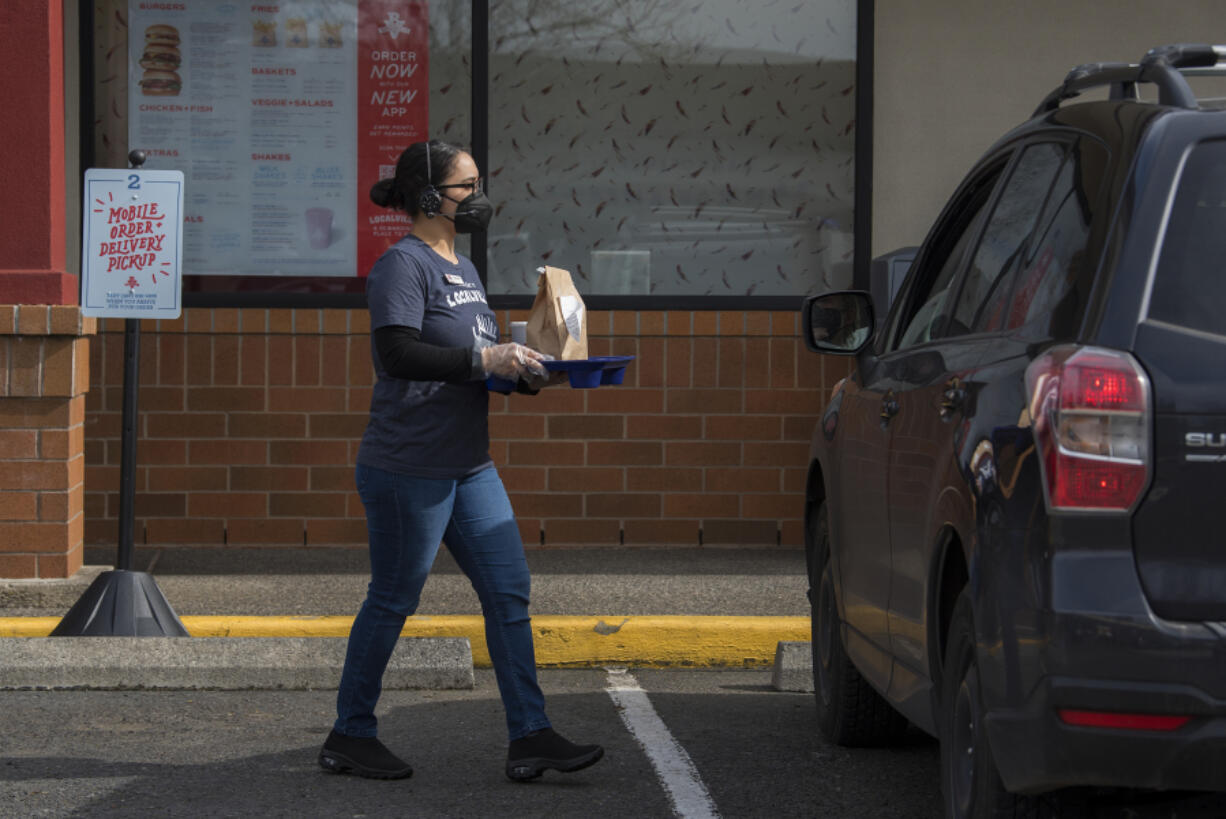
{"x": 33, "y": 218}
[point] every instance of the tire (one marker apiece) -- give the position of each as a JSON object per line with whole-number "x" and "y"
{"x": 850, "y": 712}
{"x": 970, "y": 783}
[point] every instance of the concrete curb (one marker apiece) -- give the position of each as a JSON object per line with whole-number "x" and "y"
{"x": 656, "y": 641}
{"x": 243, "y": 663}
{"x": 793, "y": 667}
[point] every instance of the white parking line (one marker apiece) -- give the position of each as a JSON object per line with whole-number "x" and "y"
{"x": 673, "y": 766}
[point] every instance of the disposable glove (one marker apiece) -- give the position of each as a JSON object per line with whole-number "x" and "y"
{"x": 538, "y": 381}
{"x": 512, "y": 361}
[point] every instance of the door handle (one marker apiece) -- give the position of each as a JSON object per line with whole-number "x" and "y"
{"x": 952, "y": 397}
{"x": 889, "y": 407}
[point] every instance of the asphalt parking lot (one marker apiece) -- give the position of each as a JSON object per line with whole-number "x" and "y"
{"x": 751, "y": 752}
{"x": 720, "y": 743}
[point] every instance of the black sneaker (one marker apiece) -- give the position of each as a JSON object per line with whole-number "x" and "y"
{"x": 364, "y": 756}
{"x": 546, "y": 749}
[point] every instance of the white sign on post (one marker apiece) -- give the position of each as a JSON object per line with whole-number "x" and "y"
{"x": 132, "y": 247}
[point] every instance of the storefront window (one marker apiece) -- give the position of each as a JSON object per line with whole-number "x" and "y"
{"x": 672, "y": 149}
{"x": 654, "y": 149}
{"x": 281, "y": 116}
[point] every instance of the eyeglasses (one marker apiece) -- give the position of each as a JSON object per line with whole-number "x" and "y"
{"x": 476, "y": 186}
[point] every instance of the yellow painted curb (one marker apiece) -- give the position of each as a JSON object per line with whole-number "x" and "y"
{"x": 561, "y": 641}
{"x": 27, "y": 626}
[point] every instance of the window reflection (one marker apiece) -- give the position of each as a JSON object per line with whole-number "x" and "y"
{"x": 656, "y": 148}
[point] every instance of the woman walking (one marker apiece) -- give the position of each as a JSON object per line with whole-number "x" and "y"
{"x": 424, "y": 472}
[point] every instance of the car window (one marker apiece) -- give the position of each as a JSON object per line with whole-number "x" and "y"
{"x": 999, "y": 253}
{"x": 1055, "y": 276}
{"x": 927, "y": 308}
{"x": 1189, "y": 287}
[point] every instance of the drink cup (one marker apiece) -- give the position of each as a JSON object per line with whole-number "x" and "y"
{"x": 519, "y": 332}
{"x": 319, "y": 227}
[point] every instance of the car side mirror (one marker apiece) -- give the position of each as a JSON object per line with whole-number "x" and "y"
{"x": 839, "y": 323}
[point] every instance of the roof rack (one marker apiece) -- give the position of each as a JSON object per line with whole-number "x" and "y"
{"x": 1160, "y": 66}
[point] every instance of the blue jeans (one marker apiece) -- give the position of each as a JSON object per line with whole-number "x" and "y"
{"x": 406, "y": 518}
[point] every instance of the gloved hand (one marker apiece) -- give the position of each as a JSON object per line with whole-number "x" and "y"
{"x": 512, "y": 361}
{"x": 537, "y": 381}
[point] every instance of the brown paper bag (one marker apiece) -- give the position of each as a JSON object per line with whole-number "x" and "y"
{"x": 557, "y": 324}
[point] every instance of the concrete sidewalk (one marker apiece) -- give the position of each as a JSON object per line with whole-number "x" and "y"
{"x": 707, "y": 607}
{"x": 332, "y": 581}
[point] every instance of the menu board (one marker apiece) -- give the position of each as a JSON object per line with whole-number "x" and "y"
{"x": 281, "y": 116}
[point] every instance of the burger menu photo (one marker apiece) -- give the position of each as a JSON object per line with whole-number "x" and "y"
{"x": 160, "y": 61}
{"x": 281, "y": 115}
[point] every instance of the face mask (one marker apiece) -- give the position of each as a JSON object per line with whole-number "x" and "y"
{"x": 473, "y": 213}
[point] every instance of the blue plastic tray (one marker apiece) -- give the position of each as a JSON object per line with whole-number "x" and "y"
{"x": 583, "y": 373}
{"x": 496, "y": 384}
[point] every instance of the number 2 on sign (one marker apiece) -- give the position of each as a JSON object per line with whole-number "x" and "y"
{"x": 133, "y": 182}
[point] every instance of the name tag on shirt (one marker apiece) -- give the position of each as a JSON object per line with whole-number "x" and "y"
{"x": 453, "y": 278}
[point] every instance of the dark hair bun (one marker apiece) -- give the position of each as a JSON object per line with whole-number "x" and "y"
{"x": 383, "y": 193}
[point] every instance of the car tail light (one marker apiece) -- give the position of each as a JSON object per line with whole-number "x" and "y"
{"x": 1090, "y": 409}
{"x": 1123, "y": 721}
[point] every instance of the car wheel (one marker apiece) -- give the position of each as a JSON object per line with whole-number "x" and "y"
{"x": 849, "y": 710}
{"x": 970, "y": 783}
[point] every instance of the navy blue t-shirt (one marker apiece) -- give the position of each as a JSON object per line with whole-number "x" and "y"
{"x": 428, "y": 429}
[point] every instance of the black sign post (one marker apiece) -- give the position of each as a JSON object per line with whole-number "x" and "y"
{"x": 121, "y": 602}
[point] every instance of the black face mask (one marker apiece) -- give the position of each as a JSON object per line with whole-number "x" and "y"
{"x": 472, "y": 213}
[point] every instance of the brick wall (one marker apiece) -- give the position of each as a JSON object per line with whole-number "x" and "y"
{"x": 250, "y": 422}
{"x": 43, "y": 377}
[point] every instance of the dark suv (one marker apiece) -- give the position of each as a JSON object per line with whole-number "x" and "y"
{"x": 1012, "y": 503}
